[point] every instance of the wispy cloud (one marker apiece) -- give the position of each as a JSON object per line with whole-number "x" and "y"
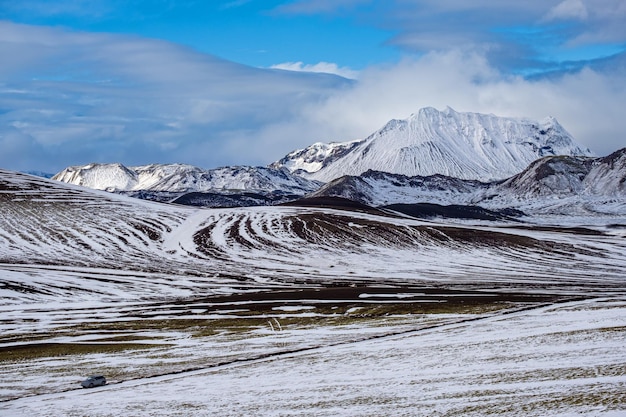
{"x": 324, "y": 67}
{"x": 234, "y": 4}
{"x": 539, "y": 32}
{"x": 568, "y": 10}
{"x": 71, "y": 97}
{"x": 320, "y": 6}
{"x": 78, "y": 97}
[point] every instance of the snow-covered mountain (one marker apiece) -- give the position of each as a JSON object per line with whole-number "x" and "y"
{"x": 565, "y": 185}
{"x": 550, "y": 185}
{"x": 377, "y": 188}
{"x": 462, "y": 145}
{"x": 63, "y": 242}
{"x": 608, "y": 175}
{"x": 440, "y": 157}
{"x": 179, "y": 178}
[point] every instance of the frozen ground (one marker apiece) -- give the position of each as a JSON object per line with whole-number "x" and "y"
{"x": 63, "y": 242}
{"x": 561, "y": 360}
{"x": 301, "y": 311}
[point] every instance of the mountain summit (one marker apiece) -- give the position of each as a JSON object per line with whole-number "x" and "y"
{"x": 181, "y": 178}
{"x": 462, "y": 145}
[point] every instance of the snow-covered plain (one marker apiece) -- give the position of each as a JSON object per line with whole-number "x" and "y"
{"x": 202, "y": 312}
{"x": 562, "y": 360}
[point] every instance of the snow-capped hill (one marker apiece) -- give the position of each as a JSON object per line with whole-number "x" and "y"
{"x": 99, "y": 176}
{"x": 117, "y": 177}
{"x": 560, "y": 176}
{"x": 608, "y": 175}
{"x": 315, "y": 157}
{"x": 552, "y": 176}
{"x": 377, "y": 188}
{"x": 355, "y": 188}
{"x": 462, "y": 145}
{"x": 565, "y": 186}
{"x": 166, "y": 177}
{"x": 559, "y": 185}
{"x": 258, "y": 179}
{"x": 180, "y": 178}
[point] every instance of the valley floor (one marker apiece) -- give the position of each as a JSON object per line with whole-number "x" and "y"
{"x": 350, "y": 351}
{"x": 310, "y": 311}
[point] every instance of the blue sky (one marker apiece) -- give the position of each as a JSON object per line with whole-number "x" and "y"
{"x": 215, "y": 83}
{"x": 257, "y": 33}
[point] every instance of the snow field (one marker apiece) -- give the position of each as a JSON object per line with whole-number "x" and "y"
{"x": 561, "y": 360}
{"x": 93, "y": 283}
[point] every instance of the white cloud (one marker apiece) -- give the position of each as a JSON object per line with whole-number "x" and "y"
{"x": 319, "y": 6}
{"x": 604, "y": 24}
{"x": 68, "y": 98}
{"x": 568, "y": 9}
{"x": 83, "y": 97}
{"x": 324, "y": 67}
{"x": 516, "y": 33}
{"x": 588, "y": 103}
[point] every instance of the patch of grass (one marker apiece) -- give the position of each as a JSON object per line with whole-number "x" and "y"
{"x": 73, "y": 332}
{"x": 611, "y": 400}
{"x": 142, "y": 324}
{"x": 378, "y": 310}
{"x": 126, "y": 338}
{"x": 28, "y": 337}
{"x": 46, "y": 350}
{"x": 500, "y": 402}
{"x": 324, "y": 314}
{"x": 616, "y": 329}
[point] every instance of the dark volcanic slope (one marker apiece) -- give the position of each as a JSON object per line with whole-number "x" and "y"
{"x": 338, "y": 203}
{"x": 430, "y": 211}
{"x": 562, "y": 185}
{"x": 62, "y": 241}
{"x": 51, "y": 223}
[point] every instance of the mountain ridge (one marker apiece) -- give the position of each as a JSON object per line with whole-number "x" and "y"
{"x": 182, "y": 178}
{"x": 463, "y": 145}
{"x": 580, "y": 180}
{"x": 550, "y": 185}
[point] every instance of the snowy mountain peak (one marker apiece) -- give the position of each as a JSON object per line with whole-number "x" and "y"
{"x": 100, "y": 176}
{"x": 429, "y": 142}
{"x": 180, "y": 178}
{"x": 314, "y": 157}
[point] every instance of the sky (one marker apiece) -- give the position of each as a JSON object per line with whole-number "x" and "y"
{"x": 243, "y": 82}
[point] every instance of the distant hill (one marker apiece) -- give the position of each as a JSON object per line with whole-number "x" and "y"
{"x": 183, "y": 178}
{"x": 551, "y": 185}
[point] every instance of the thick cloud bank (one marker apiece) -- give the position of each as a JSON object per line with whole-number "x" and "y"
{"x": 589, "y": 103}
{"x": 70, "y": 98}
